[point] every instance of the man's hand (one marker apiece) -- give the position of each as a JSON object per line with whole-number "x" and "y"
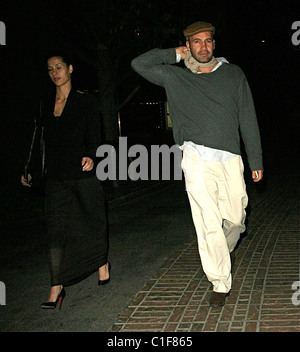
{"x": 87, "y": 164}
{"x": 257, "y": 175}
{"x": 182, "y": 50}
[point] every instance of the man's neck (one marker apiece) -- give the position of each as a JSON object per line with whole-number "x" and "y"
{"x": 206, "y": 69}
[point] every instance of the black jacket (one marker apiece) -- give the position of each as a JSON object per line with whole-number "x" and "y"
{"x": 59, "y": 143}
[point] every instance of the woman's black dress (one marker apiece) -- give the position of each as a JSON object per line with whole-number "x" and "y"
{"x": 75, "y": 201}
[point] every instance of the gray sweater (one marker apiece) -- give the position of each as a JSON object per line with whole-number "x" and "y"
{"x": 209, "y": 109}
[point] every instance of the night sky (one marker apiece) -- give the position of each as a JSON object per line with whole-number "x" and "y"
{"x": 256, "y": 35}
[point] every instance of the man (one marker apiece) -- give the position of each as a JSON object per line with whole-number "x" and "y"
{"x": 210, "y": 105}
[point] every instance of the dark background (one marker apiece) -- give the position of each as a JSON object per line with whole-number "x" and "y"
{"x": 256, "y": 35}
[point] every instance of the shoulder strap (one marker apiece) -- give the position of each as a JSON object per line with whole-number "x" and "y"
{"x": 37, "y": 124}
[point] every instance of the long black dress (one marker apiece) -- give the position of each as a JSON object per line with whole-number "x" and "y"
{"x": 75, "y": 201}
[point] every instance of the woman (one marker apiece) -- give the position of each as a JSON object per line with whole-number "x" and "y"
{"x": 75, "y": 202}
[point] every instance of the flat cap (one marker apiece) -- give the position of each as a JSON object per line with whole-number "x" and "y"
{"x": 198, "y": 27}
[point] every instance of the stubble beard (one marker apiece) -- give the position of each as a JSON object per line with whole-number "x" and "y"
{"x": 202, "y": 60}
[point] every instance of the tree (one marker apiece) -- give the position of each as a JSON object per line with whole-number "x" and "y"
{"x": 111, "y": 33}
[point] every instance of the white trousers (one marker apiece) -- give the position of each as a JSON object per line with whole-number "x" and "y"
{"x": 218, "y": 198}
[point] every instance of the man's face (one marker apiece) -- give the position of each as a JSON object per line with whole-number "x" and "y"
{"x": 201, "y": 46}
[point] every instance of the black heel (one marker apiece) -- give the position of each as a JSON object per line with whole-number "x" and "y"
{"x": 104, "y": 282}
{"x": 52, "y": 305}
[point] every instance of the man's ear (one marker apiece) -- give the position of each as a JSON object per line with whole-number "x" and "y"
{"x": 187, "y": 44}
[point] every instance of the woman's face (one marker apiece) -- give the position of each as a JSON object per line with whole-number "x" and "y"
{"x": 58, "y": 70}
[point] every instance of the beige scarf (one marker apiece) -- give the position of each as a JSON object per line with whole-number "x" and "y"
{"x": 194, "y": 65}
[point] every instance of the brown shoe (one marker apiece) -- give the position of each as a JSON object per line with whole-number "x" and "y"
{"x": 217, "y": 299}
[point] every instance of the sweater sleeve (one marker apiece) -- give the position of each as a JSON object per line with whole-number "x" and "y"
{"x": 93, "y": 127}
{"x": 152, "y": 65}
{"x": 249, "y": 126}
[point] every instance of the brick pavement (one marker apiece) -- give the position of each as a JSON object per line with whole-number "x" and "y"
{"x": 267, "y": 264}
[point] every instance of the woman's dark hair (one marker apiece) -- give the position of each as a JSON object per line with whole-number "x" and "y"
{"x": 66, "y": 56}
